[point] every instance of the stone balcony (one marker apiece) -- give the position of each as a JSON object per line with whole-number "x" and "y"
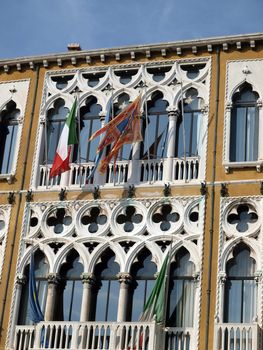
{"x": 237, "y": 336}
{"x": 103, "y": 336}
{"x": 153, "y": 171}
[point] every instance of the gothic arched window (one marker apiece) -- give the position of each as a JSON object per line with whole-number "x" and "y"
{"x": 188, "y": 133}
{"x": 244, "y": 126}
{"x": 155, "y": 128}
{"x": 8, "y": 136}
{"x": 89, "y": 123}
{"x": 143, "y": 272}
{"x": 240, "y": 287}
{"x": 72, "y": 288}
{"x": 41, "y": 271}
{"x": 106, "y": 291}
{"x": 180, "y": 309}
{"x": 55, "y": 122}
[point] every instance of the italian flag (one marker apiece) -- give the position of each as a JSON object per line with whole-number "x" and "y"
{"x": 68, "y": 138}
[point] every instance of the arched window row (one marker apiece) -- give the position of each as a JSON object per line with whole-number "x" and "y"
{"x": 107, "y": 294}
{"x": 155, "y": 128}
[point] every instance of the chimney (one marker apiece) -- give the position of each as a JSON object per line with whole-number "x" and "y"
{"x": 74, "y": 47}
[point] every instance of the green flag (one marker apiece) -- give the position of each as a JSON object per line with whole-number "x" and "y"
{"x": 155, "y": 305}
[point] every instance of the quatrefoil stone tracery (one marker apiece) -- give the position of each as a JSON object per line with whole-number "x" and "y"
{"x": 242, "y": 218}
{"x": 94, "y": 219}
{"x": 165, "y": 216}
{"x": 129, "y": 219}
{"x": 58, "y": 220}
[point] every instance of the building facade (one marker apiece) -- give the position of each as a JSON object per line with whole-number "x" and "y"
{"x": 192, "y": 189}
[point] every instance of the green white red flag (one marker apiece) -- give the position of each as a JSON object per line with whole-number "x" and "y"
{"x": 68, "y": 138}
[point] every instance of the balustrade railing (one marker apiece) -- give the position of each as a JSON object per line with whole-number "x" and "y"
{"x": 138, "y": 172}
{"x": 86, "y": 335}
{"x": 235, "y": 336}
{"x": 179, "y": 339}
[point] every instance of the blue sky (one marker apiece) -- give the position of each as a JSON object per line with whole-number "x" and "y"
{"x": 34, "y": 27}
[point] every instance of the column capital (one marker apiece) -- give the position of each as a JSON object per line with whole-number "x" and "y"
{"x": 173, "y": 113}
{"x": 21, "y": 280}
{"x": 88, "y": 278}
{"x": 53, "y": 278}
{"x": 222, "y": 278}
{"x": 124, "y": 278}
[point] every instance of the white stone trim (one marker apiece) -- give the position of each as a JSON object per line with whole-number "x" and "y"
{"x": 20, "y": 96}
{"x": 238, "y": 72}
{"x": 171, "y": 93}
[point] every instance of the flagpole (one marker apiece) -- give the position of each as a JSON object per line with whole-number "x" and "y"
{"x": 147, "y": 126}
{"x": 46, "y": 152}
{"x": 77, "y": 91}
{"x": 167, "y": 283}
{"x": 184, "y": 143}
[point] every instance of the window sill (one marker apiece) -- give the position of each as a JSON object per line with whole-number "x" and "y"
{"x": 255, "y": 164}
{"x": 8, "y": 177}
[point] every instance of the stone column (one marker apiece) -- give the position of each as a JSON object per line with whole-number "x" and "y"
{"x": 20, "y": 282}
{"x": 100, "y": 179}
{"x": 88, "y": 280}
{"x": 171, "y": 138}
{"x": 260, "y": 130}
{"x": 134, "y": 164}
{"x": 222, "y": 282}
{"x": 53, "y": 281}
{"x": 125, "y": 281}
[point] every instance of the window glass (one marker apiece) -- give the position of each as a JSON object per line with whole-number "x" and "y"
{"x": 189, "y": 126}
{"x": 106, "y": 291}
{"x": 143, "y": 272}
{"x": 89, "y": 123}
{"x": 180, "y": 308}
{"x": 244, "y": 126}
{"x": 240, "y": 288}
{"x": 8, "y": 136}
{"x": 155, "y": 129}
{"x": 55, "y": 122}
{"x": 72, "y": 296}
{"x": 41, "y": 271}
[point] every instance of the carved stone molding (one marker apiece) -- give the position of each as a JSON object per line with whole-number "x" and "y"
{"x": 88, "y": 278}
{"x": 53, "y": 278}
{"x": 124, "y": 278}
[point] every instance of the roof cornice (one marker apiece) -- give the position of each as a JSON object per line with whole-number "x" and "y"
{"x": 207, "y": 44}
